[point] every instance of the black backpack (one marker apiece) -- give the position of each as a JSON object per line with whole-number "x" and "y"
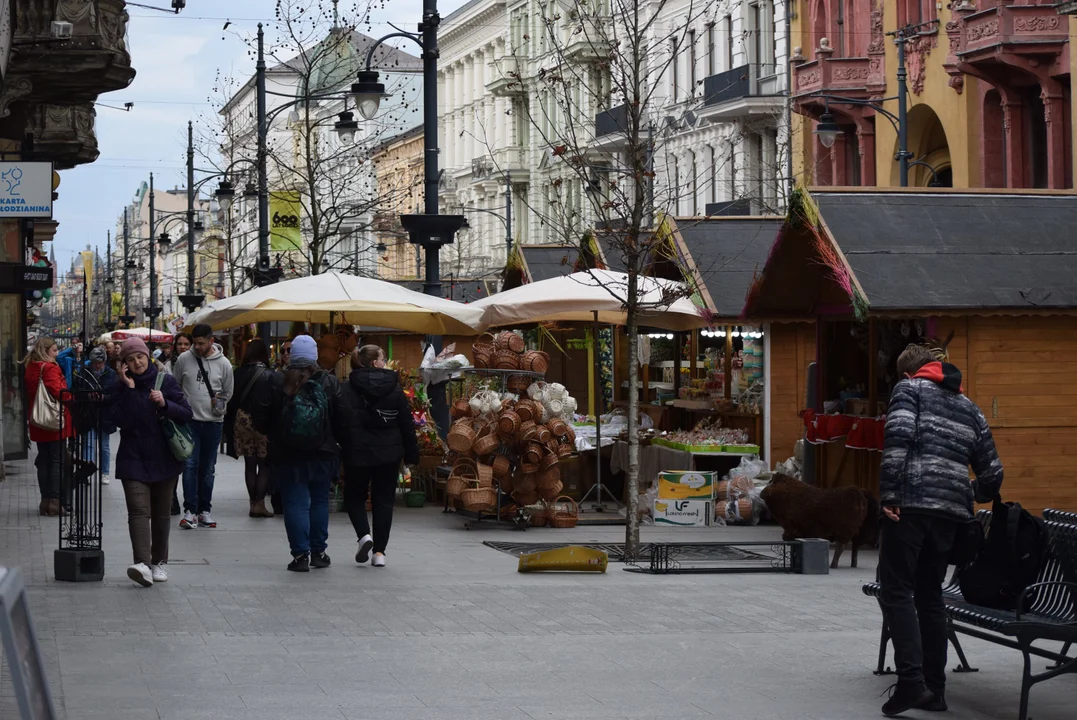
{"x": 1011, "y": 559}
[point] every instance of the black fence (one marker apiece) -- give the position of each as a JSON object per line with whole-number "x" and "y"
{"x": 79, "y": 557}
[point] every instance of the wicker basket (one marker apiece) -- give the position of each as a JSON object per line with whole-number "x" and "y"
{"x": 518, "y": 383}
{"x": 528, "y": 432}
{"x": 533, "y": 452}
{"x": 460, "y": 409}
{"x": 564, "y": 514}
{"x": 478, "y": 499}
{"x": 486, "y": 443}
{"x": 509, "y": 340}
{"x": 508, "y": 422}
{"x": 486, "y": 476}
{"x": 535, "y": 361}
{"x": 465, "y": 467}
{"x": 454, "y": 486}
{"x": 502, "y": 466}
{"x": 506, "y": 360}
{"x": 570, "y": 434}
{"x": 558, "y": 427}
{"x": 483, "y": 354}
{"x": 529, "y": 468}
{"x": 526, "y": 497}
{"x": 550, "y": 492}
{"x": 548, "y": 479}
{"x": 506, "y": 484}
{"x": 538, "y": 514}
{"x": 564, "y": 450}
{"x": 461, "y": 436}
{"x": 526, "y": 410}
{"x": 544, "y": 434}
{"x": 549, "y": 460}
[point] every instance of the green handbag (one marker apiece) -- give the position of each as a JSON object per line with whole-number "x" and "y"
{"x": 179, "y": 436}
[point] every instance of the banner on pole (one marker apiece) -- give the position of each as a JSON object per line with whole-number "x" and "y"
{"x": 285, "y": 213}
{"x": 87, "y": 266}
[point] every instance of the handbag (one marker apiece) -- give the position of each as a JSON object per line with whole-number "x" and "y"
{"x": 219, "y": 407}
{"x": 46, "y": 411}
{"x": 179, "y": 436}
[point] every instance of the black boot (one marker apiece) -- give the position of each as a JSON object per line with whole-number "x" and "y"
{"x": 176, "y": 509}
{"x": 300, "y": 563}
{"x": 937, "y": 703}
{"x": 905, "y": 695}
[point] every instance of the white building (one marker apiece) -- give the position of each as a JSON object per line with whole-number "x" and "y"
{"x": 718, "y": 113}
{"x": 305, "y": 95}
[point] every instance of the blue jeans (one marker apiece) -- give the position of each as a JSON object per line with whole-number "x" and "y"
{"x": 198, "y": 475}
{"x": 102, "y": 447}
{"x": 304, "y": 488}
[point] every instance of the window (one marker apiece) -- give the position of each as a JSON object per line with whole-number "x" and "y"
{"x": 674, "y": 68}
{"x": 693, "y": 202}
{"x": 714, "y": 175}
{"x": 728, "y": 22}
{"x": 691, "y": 63}
{"x": 712, "y": 50}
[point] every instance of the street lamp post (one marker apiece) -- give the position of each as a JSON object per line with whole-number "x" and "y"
{"x": 127, "y": 318}
{"x": 109, "y": 284}
{"x": 429, "y": 230}
{"x": 153, "y": 311}
{"x": 827, "y": 130}
{"x": 190, "y": 299}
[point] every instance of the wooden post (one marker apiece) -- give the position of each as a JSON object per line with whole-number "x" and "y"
{"x": 592, "y": 343}
{"x": 678, "y": 350}
{"x": 728, "y": 369}
{"x": 693, "y": 349}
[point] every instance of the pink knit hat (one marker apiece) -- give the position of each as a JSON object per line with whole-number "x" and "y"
{"x": 132, "y": 346}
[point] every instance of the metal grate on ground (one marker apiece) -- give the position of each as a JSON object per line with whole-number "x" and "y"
{"x": 686, "y": 555}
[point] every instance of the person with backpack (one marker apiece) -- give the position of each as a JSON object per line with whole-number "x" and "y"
{"x": 307, "y": 424}
{"x": 205, "y": 374}
{"x": 253, "y": 380}
{"x": 382, "y": 435}
{"x": 146, "y": 399}
{"x": 933, "y": 434}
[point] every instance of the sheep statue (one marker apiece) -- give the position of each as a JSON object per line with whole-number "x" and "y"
{"x": 841, "y": 515}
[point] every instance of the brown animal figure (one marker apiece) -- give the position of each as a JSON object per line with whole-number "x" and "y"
{"x": 840, "y": 515}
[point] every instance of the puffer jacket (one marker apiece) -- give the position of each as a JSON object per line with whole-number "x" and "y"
{"x": 270, "y": 421}
{"x": 933, "y": 435}
{"x": 382, "y": 428}
{"x": 144, "y": 454}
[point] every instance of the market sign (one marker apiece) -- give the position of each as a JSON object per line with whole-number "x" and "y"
{"x": 15, "y": 277}
{"x": 285, "y": 227}
{"x": 26, "y": 189}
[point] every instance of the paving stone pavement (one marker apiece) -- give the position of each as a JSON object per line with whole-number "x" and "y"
{"x": 450, "y": 631}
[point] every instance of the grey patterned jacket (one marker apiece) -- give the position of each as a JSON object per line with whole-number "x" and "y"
{"x": 933, "y": 435}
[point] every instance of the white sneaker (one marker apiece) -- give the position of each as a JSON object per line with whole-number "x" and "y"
{"x": 188, "y": 521}
{"x": 158, "y": 573}
{"x": 378, "y": 561}
{"x": 204, "y": 520}
{"x": 365, "y": 543}
{"x": 140, "y": 574}
{"x": 105, "y": 479}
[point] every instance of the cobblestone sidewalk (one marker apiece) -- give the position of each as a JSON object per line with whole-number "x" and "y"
{"x": 449, "y": 630}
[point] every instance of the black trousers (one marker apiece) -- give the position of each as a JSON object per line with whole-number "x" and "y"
{"x": 380, "y": 481}
{"x": 913, "y": 557}
{"x": 51, "y": 457}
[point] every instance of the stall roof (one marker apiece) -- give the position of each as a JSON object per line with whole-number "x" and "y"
{"x": 893, "y": 251}
{"x": 540, "y": 262}
{"x": 726, "y": 254}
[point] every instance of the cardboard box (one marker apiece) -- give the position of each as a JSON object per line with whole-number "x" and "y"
{"x": 683, "y": 513}
{"x": 686, "y": 485}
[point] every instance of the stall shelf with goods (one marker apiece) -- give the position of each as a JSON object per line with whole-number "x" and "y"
{"x": 964, "y": 284}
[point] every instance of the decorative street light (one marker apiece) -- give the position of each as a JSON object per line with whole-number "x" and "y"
{"x": 109, "y": 284}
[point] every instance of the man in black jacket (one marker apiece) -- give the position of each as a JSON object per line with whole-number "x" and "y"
{"x": 382, "y": 434}
{"x": 934, "y": 433}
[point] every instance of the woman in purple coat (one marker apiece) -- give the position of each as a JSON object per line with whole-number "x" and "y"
{"x": 144, "y": 462}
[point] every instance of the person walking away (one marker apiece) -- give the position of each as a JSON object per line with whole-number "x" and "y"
{"x": 205, "y": 375}
{"x": 253, "y": 382}
{"x": 306, "y": 423}
{"x": 933, "y": 434}
{"x": 107, "y": 380}
{"x": 144, "y": 463}
{"x": 42, "y": 369}
{"x": 382, "y": 435}
{"x": 284, "y": 356}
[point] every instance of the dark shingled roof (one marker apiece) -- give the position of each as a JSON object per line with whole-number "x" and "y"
{"x": 546, "y": 262}
{"x": 727, "y": 254}
{"x": 956, "y": 251}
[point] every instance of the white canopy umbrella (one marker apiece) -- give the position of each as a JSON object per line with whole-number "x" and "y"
{"x": 348, "y": 299}
{"x": 592, "y": 296}
{"x": 146, "y": 334}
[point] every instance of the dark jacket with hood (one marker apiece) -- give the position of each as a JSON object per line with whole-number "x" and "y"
{"x": 271, "y": 423}
{"x": 253, "y": 392}
{"x": 933, "y": 435}
{"x": 144, "y": 453}
{"x": 382, "y": 428}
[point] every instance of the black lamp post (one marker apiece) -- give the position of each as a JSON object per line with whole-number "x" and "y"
{"x": 128, "y": 264}
{"x": 190, "y": 299}
{"x": 109, "y": 284}
{"x": 153, "y": 311}
{"x": 827, "y": 130}
{"x": 429, "y": 230}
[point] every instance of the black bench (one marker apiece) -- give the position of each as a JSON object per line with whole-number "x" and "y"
{"x": 1052, "y": 617}
{"x": 1060, "y": 516}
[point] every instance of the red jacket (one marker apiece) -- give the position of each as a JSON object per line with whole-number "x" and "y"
{"x": 53, "y": 377}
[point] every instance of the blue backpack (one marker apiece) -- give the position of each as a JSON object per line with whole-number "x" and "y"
{"x": 306, "y": 416}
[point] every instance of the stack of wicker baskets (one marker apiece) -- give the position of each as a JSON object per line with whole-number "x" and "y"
{"x": 506, "y": 351}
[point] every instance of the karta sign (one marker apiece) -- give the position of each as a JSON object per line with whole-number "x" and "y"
{"x": 25, "y": 190}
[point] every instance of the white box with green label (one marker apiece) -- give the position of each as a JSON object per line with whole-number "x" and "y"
{"x": 683, "y": 513}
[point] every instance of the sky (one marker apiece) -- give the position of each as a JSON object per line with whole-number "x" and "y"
{"x": 177, "y": 58}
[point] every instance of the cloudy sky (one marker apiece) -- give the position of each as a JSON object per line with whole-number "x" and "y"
{"x": 177, "y": 58}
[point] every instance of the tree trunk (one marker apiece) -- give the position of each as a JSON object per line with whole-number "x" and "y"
{"x": 632, "y": 475}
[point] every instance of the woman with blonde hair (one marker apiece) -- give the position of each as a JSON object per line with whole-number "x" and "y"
{"x": 42, "y": 368}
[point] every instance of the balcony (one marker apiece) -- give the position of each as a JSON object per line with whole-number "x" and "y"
{"x": 505, "y": 77}
{"x": 587, "y": 43}
{"x": 611, "y": 122}
{"x": 853, "y": 77}
{"x": 752, "y": 89}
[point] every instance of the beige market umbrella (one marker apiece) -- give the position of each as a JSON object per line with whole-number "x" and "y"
{"x": 593, "y": 296}
{"x": 346, "y": 299}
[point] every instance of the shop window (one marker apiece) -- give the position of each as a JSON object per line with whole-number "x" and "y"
{"x": 11, "y": 376}
{"x": 915, "y": 12}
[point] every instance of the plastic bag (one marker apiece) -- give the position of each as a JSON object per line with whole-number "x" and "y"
{"x": 750, "y": 467}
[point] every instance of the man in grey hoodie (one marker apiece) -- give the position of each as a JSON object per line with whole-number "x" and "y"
{"x": 205, "y": 375}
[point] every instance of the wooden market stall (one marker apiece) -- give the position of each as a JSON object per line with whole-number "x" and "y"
{"x": 983, "y": 276}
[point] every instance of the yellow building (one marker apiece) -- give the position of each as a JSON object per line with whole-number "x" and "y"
{"x": 398, "y": 169}
{"x": 989, "y": 97}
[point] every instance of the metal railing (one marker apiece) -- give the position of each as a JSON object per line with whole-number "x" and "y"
{"x": 750, "y": 80}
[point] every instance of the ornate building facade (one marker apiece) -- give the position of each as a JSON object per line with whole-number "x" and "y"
{"x": 990, "y": 103}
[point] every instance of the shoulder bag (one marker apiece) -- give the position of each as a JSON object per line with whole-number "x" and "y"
{"x": 219, "y": 408}
{"x": 179, "y": 436}
{"x": 46, "y": 412}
